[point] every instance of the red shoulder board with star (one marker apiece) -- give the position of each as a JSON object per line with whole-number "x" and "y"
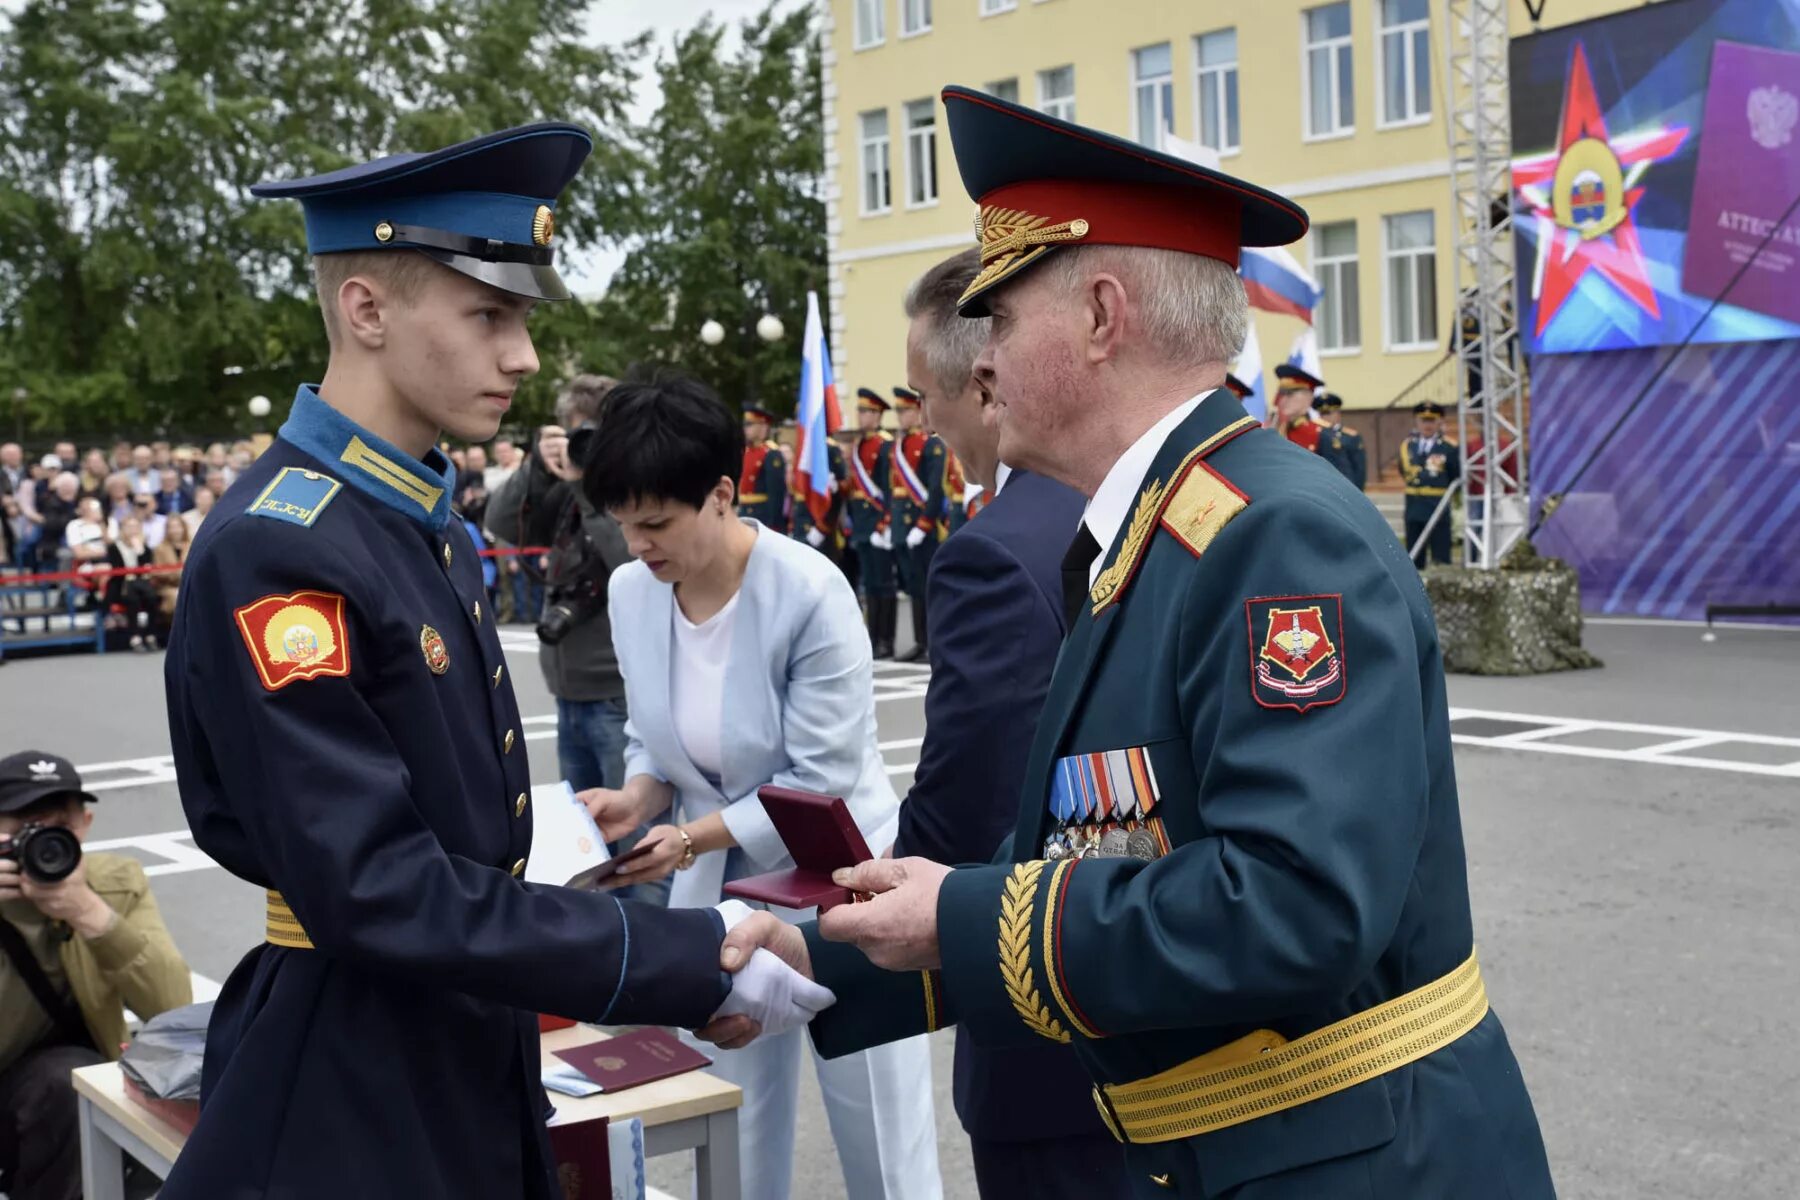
{"x": 295, "y": 637}
{"x": 1296, "y": 651}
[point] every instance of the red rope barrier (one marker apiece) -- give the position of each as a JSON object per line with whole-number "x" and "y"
{"x": 103, "y": 574}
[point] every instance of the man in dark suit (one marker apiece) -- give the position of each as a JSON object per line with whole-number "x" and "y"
{"x": 993, "y": 599}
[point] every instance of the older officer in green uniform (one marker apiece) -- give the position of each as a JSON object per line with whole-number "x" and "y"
{"x": 1340, "y": 445}
{"x": 1429, "y": 463}
{"x": 1237, "y": 883}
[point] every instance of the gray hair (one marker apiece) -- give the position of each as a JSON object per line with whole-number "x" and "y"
{"x": 582, "y": 398}
{"x": 951, "y": 343}
{"x": 1194, "y": 307}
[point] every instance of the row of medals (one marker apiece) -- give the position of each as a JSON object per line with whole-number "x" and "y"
{"x": 1133, "y": 839}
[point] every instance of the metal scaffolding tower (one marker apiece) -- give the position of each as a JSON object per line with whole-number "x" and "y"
{"x": 1490, "y": 418}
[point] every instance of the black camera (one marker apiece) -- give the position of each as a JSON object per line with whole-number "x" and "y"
{"x": 45, "y": 853}
{"x": 581, "y": 443}
{"x": 565, "y": 609}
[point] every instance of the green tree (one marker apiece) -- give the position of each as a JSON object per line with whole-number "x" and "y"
{"x": 730, "y": 223}
{"x": 135, "y": 267}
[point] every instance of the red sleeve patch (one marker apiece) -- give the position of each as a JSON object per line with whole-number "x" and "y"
{"x": 1296, "y": 651}
{"x": 294, "y": 637}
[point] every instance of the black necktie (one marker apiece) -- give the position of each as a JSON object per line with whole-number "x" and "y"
{"x": 1075, "y": 564}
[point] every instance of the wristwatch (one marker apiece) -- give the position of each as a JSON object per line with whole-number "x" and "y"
{"x": 687, "y": 854}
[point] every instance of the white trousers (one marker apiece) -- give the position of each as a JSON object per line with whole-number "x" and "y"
{"x": 878, "y": 1102}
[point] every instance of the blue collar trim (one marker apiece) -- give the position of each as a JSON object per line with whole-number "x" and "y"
{"x": 419, "y": 490}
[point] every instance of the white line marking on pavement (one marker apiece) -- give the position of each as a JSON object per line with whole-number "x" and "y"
{"x": 177, "y": 846}
{"x": 1664, "y": 753}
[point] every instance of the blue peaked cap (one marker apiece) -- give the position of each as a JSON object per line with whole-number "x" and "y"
{"x": 485, "y": 207}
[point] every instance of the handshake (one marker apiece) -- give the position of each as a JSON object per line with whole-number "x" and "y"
{"x": 773, "y": 988}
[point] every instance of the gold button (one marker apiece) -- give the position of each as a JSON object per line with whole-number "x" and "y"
{"x": 518, "y": 868}
{"x": 519, "y": 805}
{"x": 498, "y": 672}
{"x": 478, "y": 612}
{"x": 1161, "y": 1181}
{"x": 447, "y": 556}
{"x": 509, "y": 741}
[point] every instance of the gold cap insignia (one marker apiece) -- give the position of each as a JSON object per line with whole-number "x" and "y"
{"x": 384, "y": 232}
{"x": 1012, "y": 237}
{"x": 543, "y": 225}
{"x": 431, "y": 645}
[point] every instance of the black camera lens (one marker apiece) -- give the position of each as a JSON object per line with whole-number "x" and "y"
{"x": 581, "y": 442}
{"x": 46, "y": 853}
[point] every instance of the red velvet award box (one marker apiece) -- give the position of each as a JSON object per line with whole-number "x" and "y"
{"x": 820, "y": 835}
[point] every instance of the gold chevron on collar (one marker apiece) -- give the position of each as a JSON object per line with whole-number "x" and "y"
{"x": 1011, "y": 237}
{"x": 385, "y": 470}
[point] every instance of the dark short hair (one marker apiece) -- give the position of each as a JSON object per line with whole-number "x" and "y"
{"x": 665, "y": 436}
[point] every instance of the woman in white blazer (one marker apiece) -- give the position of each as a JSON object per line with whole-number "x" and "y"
{"x": 746, "y": 664}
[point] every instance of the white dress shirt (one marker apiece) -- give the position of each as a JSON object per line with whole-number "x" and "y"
{"x": 1111, "y": 504}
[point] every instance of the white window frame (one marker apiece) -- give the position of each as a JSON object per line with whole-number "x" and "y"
{"x": 993, "y": 8}
{"x": 1328, "y": 269}
{"x": 1408, "y": 31}
{"x": 1201, "y": 82}
{"x": 909, "y": 9}
{"x": 1065, "y": 105}
{"x": 1388, "y": 300}
{"x": 1343, "y": 50}
{"x": 1163, "y": 84}
{"x": 863, "y": 40}
{"x": 921, "y": 150}
{"x": 884, "y": 145}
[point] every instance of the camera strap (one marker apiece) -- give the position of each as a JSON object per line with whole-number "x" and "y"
{"x": 71, "y": 1028}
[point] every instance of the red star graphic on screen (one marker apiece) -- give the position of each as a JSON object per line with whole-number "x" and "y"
{"x": 1585, "y": 216}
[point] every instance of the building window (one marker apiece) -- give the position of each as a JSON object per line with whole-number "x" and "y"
{"x": 1334, "y": 266}
{"x": 1216, "y": 69}
{"x": 871, "y": 23}
{"x": 1409, "y": 245}
{"x": 1403, "y": 49}
{"x": 990, "y": 7}
{"x": 915, "y": 17}
{"x": 1152, "y": 94}
{"x": 1004, "y": 89}
{"x": 1056, "y": 93}
{"x": 921, "y": 153}
{"x": 877, "y": 175}
{"x": 1329, "y": 78}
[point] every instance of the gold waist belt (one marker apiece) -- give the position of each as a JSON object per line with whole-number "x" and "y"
{"x": 284, "y": 927}
{"x": 751, "y": 497}
{"x": 1263, "y": 1072}
{"x": 1426, "y": 491}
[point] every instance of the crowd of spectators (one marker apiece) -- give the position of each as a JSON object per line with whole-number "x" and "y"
{"x": 73, "y": 512}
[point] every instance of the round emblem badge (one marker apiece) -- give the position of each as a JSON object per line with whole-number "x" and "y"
{"x": 431, "y": 644}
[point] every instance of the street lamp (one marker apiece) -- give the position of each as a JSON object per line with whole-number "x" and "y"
{"x": 770, "y": 328}
{"x": 712, "y": 333}
{"x": 259, "y": 407}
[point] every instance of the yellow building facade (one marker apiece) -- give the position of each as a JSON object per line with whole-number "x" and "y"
{"x": 1338, "y": 105}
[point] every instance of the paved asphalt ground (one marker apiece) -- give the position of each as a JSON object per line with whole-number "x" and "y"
{"x": 1634, "y": 847}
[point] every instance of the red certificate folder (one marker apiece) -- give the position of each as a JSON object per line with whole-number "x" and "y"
{"x": 820, "y": 835}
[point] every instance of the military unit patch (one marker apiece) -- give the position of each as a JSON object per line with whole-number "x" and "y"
{"x": 295, "y": 495}
{"x": 431, "y": 645}
{"x": 1296, "y": 651}
{"x": 295, "y": 637}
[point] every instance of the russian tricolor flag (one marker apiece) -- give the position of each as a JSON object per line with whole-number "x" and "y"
{"x": 819, "y": 417}
{"x": 1275, "y": 281}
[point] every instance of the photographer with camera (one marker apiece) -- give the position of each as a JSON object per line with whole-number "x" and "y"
{"x": 541, "y": 504}
{"x": 80, "y": 940}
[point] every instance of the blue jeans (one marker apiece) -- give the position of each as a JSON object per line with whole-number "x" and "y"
{"x": 528, "y": 606}
{"x": 590, "y": 749}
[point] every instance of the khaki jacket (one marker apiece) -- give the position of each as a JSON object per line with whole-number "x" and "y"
{"x": 134, "y": 964}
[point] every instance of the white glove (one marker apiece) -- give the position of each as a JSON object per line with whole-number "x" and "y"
{"x": 915, "y": 537}
{"x": 767, "y": 990}
{"x": 881, "y": 539}
{"x": 815, "y": 537}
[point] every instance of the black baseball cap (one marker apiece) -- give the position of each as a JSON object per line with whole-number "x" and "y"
{"x": 31, "y": 775}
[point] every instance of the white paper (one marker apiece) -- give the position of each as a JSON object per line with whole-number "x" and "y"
{"x": 564, "y": 839}
{"x": 559, "y": 1076}
{"x": 625, "y": 1155}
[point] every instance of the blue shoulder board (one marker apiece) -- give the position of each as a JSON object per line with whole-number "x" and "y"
{"x": 295, "y": 495}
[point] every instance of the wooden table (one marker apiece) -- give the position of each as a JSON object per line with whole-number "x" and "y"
{"x": 695, "y": 1112}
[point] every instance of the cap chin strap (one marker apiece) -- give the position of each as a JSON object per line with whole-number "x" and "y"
{"x": 486, "y": 249}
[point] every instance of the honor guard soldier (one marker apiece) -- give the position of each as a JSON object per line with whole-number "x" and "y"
{"x": 871, "y": 532}
{"x": 1294, "y": 392}
{"x": 1237, "y": 883}
{"x": 956, "y": 492}
{"x": 1238, "y": 387}
{"x": 917, "y": 486}
{"x": 824, "y": 536}
{"x": 1429, "y": 463}
{"x": 763, "y": 486}
{"x": 346, "y": 737}
{"x": 1340, "y": 445}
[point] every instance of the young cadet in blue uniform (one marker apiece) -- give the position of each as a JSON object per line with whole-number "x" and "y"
{"x": 871, "y": 530}
{"x": 917, "y": 488}
{"x": 1429, "y": 464}
{"x": 1340, "y": 445}
{"x": 763, "y": 486}
{"x": 1237, "y": 883}
{"x": 345, "y": 733}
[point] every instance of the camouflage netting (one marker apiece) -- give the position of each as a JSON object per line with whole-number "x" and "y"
{"x": 1523, "y": 619}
